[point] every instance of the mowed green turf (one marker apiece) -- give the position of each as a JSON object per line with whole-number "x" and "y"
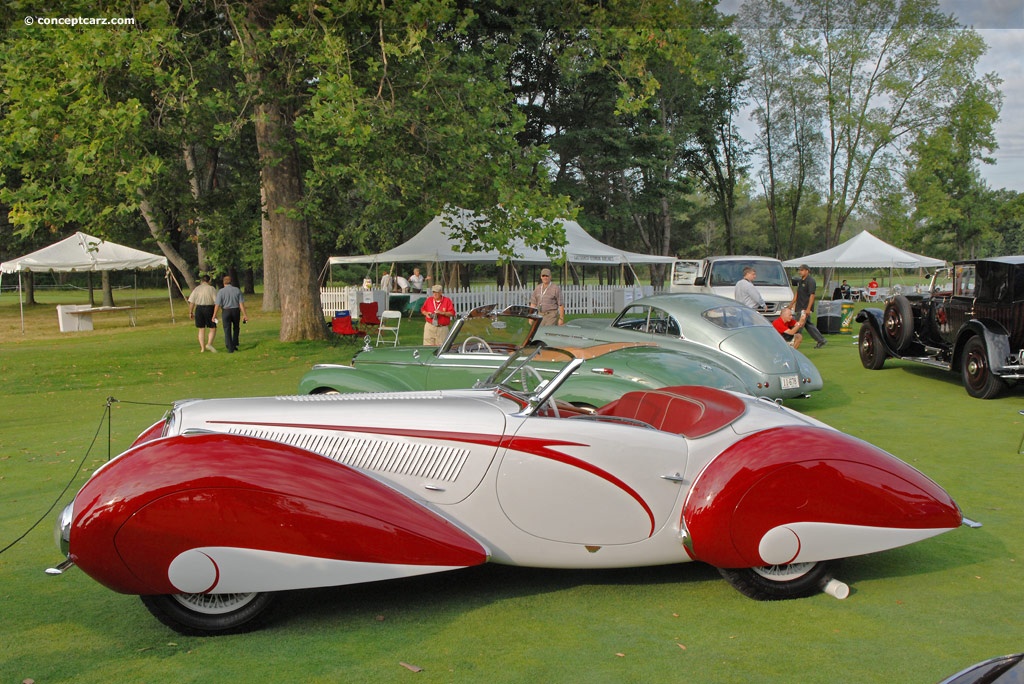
{"x": 914, "y": 614}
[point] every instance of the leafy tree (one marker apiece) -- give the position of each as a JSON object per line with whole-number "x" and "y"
{"x": 881, "y": 74}
{"x": 636, "y": 109}
{"x": 950, "y": 195}
{"x": 104, "y": 126}
{"x": 788, "y": 118}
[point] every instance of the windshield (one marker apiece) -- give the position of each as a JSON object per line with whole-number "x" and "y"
{"x": 685, "y": 272}
{"x": 769, "y": 272}
{"x": 530, "y": 370}
{"x": 483, "y": 330}
{"x": 735, "y": 317}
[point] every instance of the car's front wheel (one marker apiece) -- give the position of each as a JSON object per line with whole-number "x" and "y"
{"x": 978, "y": 378}
{"x": 209, "y": 614}
{"x": 780, "y": 582}
{"x": 872, "y": 353}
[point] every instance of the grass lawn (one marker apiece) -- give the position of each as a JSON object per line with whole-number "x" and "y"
{"x": 914, "y": 614}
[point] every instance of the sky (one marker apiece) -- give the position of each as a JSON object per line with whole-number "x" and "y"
{"x": 1001, "y": 24}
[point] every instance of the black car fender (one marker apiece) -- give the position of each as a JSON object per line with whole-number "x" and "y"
{"x": 995, "y": 336}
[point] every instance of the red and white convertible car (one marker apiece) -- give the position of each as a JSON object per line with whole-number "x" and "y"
{"x": 227, "y": 501}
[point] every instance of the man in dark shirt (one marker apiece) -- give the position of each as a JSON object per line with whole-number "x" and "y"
{"x": 803, "y": 303}
{"x": 231, "y": 302}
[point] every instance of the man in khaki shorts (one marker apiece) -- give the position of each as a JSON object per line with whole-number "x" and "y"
{"x": 200, "y": 309}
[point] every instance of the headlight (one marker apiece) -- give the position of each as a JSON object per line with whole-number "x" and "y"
{"x": 62, "y": 530}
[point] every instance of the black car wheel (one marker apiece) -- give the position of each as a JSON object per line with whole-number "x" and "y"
{"x": 779, "y": 582}
{"x": 872, "y": 353}
{"x": 209, "y": 614}
{"x": 978, "y": 378}
{"x": 898, "y": 322}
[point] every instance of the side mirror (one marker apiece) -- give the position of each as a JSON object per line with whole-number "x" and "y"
{"x": 700, "y": 281}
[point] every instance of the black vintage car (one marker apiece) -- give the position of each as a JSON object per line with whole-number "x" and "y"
{"x": 971, "y": 319}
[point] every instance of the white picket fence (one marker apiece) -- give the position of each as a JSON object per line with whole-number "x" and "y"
{"x": 585, "y": 299}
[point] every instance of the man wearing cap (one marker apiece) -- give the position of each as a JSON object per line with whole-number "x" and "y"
{"x": 439, "y": 311}
{"x": 803, "y": 303}
{"x": 547, "y": 298}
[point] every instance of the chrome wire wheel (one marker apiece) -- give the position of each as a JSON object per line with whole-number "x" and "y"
{"x": 209, "y": 614}
{"x": 784, "y": 573}
{"x": 214, "y": 604}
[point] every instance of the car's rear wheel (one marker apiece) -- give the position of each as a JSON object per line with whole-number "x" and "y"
{"x": 898, "y": 322}
{"x": 977, "y": 375}
{"x": 780, "y": 582}
{"x": 209, "y": 614}
{"x": 872, "y": 353}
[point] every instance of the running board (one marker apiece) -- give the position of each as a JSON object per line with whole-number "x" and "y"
{"x": 928, "y": 361}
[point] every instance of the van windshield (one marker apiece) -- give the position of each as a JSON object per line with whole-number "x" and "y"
{"x": 769, "y": 272}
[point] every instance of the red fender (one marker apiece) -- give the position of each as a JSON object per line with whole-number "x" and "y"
{"x": 170, "y": 495}
{"x": 800, "y": 474}
{"x": 154, "y": 431}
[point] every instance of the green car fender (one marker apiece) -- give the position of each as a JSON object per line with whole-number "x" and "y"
{"x": 345, "y": 379}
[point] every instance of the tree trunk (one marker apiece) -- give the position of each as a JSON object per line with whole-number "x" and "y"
{"x": 172, "y": 254}
{"x": 287, "y": 249}
{"x": 29, "y": 285}
{"x": 271, "y": 298}
{"x": 200, "y": 183}
{"x": 108, "y": 291}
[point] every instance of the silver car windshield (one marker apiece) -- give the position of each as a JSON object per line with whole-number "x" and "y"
{"x": 734, "y": 317}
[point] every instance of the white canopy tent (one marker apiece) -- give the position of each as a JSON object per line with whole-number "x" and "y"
{"x": 865, "y": 251}
{"x": 83, "y": 253}
{"x": 433, "y": 245}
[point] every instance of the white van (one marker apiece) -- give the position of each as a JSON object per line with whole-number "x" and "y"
{"x": 719, "y": 274}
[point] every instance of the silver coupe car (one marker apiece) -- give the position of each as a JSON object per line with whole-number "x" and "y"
{"x": 717, "y": 329}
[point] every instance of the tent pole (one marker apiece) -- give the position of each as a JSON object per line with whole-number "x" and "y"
{"x": 21, "y": 304}
{"x": 170, "y": 297}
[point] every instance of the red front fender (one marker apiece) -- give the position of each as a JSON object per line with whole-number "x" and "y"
{"x": 831, "y": 494}
{"x": 169, "y": 496}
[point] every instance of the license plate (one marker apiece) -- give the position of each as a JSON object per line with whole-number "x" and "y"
{"x": 790, "y": 382}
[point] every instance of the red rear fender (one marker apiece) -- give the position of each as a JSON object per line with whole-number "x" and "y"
{"x": 829, "y": 494}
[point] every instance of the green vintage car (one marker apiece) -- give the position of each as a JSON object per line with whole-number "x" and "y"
{"x": 483, "y": 339}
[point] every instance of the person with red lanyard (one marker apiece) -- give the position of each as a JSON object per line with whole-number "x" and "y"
{"x": 439, "y": 311}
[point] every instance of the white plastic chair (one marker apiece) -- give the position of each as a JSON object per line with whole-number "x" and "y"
{"x": 388, "y": 330}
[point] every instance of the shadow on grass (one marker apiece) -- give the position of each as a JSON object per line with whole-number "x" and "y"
{"x": 950, "y": 378}
{"x": 471, "y": 589}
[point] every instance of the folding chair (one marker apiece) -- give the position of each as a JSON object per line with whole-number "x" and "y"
{"x": 388, "y": 330}
{"x": 342, "y": 325}
{"x": 368, "y": 314}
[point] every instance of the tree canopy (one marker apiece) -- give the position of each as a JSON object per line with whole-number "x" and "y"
{"x": 262, "y": 135}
